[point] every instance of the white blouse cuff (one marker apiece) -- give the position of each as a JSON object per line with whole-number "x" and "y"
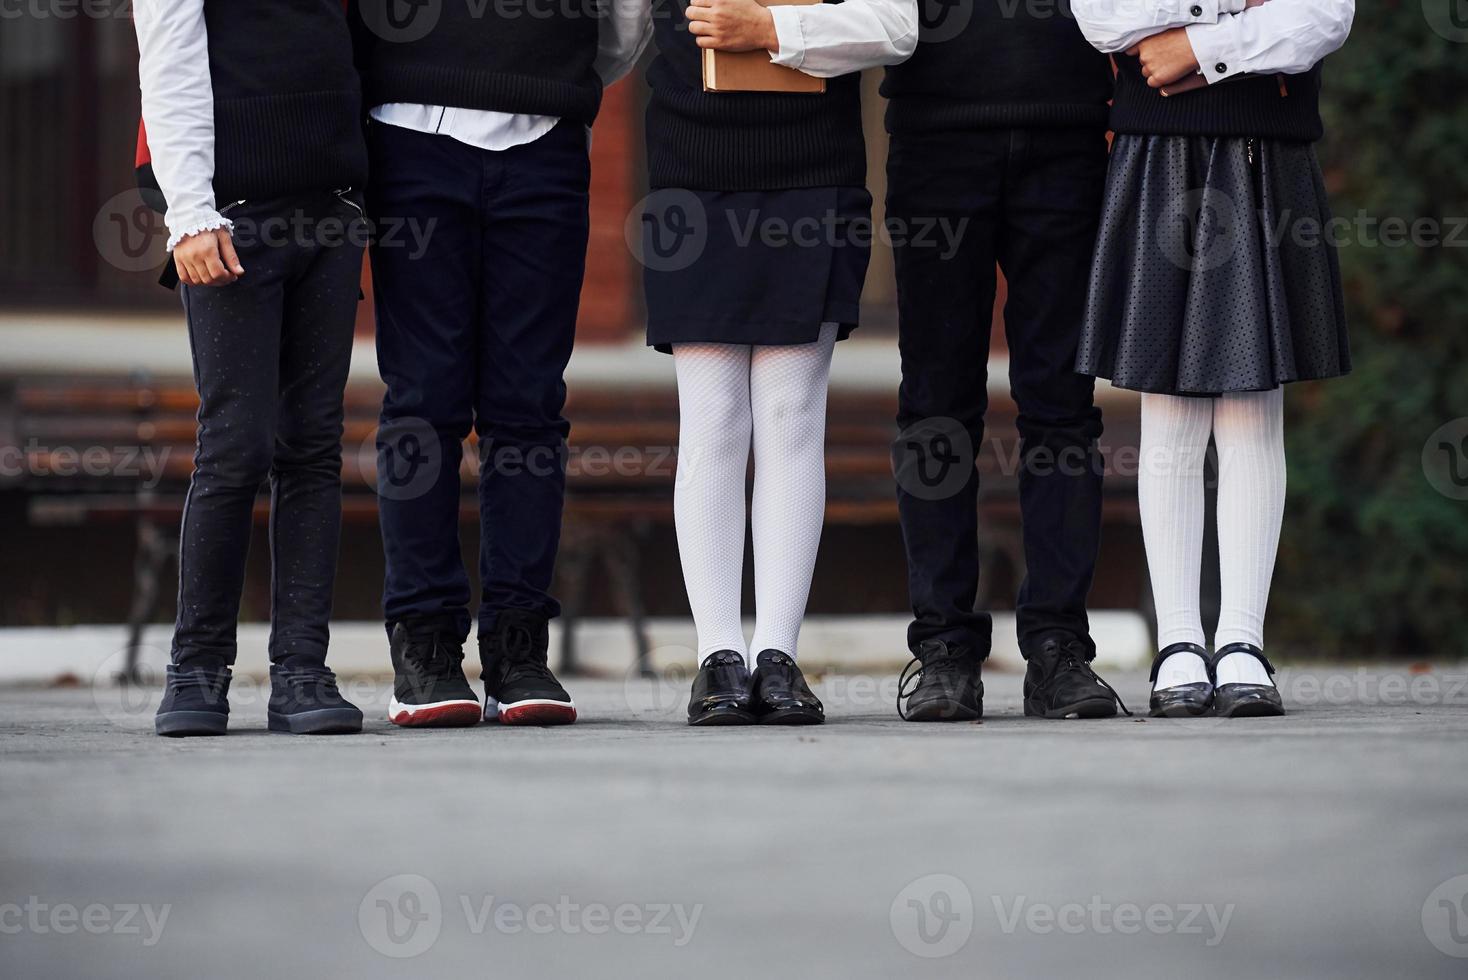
{"x": 181, "y": 227}
{"x": 790, "y": 35}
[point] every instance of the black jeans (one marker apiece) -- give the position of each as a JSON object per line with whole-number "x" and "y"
{"x": 476, "y": 314}
{"x": 1028, "y": 200}
{"x": 271, "y": 354}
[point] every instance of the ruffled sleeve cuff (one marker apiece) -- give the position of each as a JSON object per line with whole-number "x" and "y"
{"x": 182, "y": 226}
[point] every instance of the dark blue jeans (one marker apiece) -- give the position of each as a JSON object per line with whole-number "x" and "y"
{"x": 1030, "y": 201}
{"x": 477, "y": 270}
{"x": 271, "y": 354}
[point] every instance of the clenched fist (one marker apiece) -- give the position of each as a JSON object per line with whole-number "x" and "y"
{"x": 1167, "y": 57}
{"x": 732, "y": 25}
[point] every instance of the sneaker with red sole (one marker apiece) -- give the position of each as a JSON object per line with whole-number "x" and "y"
{"x": 519, "y": 688}
{"x": 429, "y": 686}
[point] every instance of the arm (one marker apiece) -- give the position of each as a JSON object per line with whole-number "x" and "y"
{"x": 819, "y": 39}
{"x": 625, "y": 32}
{"x": 178, "y": 111}
{"x": 1281, "y": 36}
{"x": 1113, "y": 25}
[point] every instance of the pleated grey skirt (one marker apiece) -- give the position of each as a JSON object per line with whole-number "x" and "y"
{"x": 1215, "y": 269}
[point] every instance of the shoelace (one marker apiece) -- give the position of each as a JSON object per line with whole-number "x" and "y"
{"x": 318, "y": 681}
{"x": 521, "y": 659}
{"x": 1074, "y": 658}
{"x": 432, "y": 655}
{"x": 908, "y": 683}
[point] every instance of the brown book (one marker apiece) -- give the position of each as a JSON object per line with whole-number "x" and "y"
{"x": 752, "y": 71}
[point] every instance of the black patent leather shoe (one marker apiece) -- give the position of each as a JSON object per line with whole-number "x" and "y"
{"x": 1059, "y": 681}
{"x": 1182, "y": 700}
{"x": 941, "y": 683}
{"x": 721, "y": 692}
{"x": 781, "y": 695}
{"x": 1245, "y": 700}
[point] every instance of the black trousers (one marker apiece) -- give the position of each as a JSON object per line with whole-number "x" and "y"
{"x": 271, "y": 353}
{"x": 477, "y": 268}
{"x": 958, "y": 203}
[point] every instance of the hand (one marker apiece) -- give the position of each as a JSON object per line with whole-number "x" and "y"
{"x": 732, "y": 25}
{"x": 1167, "y": 57}
{"x": 1195, "y": 81}
{"x": 207, "y": 259}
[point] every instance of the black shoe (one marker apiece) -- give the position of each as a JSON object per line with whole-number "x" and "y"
{"x": 945, "y": 684}
{"x": 1245, "y": 700}
{"x": 429, "y": 687}
{"x": 1060, "y": 683}
{"x": 721, "y": 692}
{"x": 781, "y": 695}
{"x": 195, "y": 702}
{"x": 519, "y": 688}
{"x": 305, "y": 701}
{"x": 1184, "y": 700}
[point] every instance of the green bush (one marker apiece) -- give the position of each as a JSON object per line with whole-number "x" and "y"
{"x": 1374, "y": 560}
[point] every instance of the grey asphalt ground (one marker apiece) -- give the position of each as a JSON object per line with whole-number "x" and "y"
{"x": 1326, "y": 844}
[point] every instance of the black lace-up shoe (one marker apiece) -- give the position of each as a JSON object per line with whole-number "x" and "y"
{"x": 1182, "y": 700}
{"x": 781, "y": 695}
{"x": 941, "y": 684}
{"x": 305, "y": 701}
{"x": 1060, "y": 683}
{"x": 195, "y": 702}
{"x": 429, "y": 687}
{"x": 1245, "y": 700}
{"x": 722, "y": 692}
{"x": 519, "y": 688}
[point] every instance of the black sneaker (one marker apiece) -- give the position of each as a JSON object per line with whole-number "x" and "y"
{"x": 429, "y": 687}
{"x": 781, "y": 695}
{"x": 305, "y": 701}
{"x": 195, "y": 702}
{"x": 721, "y": 692}
{"x": 519, "y": 688}
{"x": 941, "y": 684}
{"x": 1060, "y": 683}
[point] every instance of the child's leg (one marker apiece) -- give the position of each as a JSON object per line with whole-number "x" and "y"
{"x": 1249, "y": 429}
{"x": 708, "y": 499}
{"x": 787, "y": 387}
{"x": 234, "y": 334}
{"x": 1175, "y": 434}
{"x": 305, "y": 490}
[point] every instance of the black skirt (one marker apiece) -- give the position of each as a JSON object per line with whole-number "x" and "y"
{"x": 1215, "y": 269}
{"x": 754, "y": 267}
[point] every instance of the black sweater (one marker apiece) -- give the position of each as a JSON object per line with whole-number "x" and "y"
{"x": 744, "y": 141}
{"x": 1266, "y": 107}
{"x": 998, "y": 63}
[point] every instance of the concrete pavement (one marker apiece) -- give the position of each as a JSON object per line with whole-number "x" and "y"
{"x": 1326, "y": 844}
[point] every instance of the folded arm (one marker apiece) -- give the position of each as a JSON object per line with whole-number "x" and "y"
{"x": 824, "y": 40}
{"x": 1119, "y": 25}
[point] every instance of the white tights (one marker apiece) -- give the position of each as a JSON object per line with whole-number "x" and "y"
{"x": 729, "y": 397}
{"x": 1248, "y": 428}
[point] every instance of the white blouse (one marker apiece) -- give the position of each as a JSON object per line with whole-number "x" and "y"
{"x": 1289, "y": 36}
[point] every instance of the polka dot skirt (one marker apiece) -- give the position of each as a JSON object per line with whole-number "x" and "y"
{"x": 1215, "y": 269}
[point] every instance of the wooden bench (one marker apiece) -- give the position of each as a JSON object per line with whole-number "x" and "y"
{"x": 121, "y": 449}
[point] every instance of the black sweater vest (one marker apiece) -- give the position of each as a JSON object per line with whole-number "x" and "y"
{"x": 1266, "y": 107}
{"x": 287, "y": 102}
{"x": 998, "y": 64}
{"x": 522, "y": 56}
{"x": 744, "y": 141}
